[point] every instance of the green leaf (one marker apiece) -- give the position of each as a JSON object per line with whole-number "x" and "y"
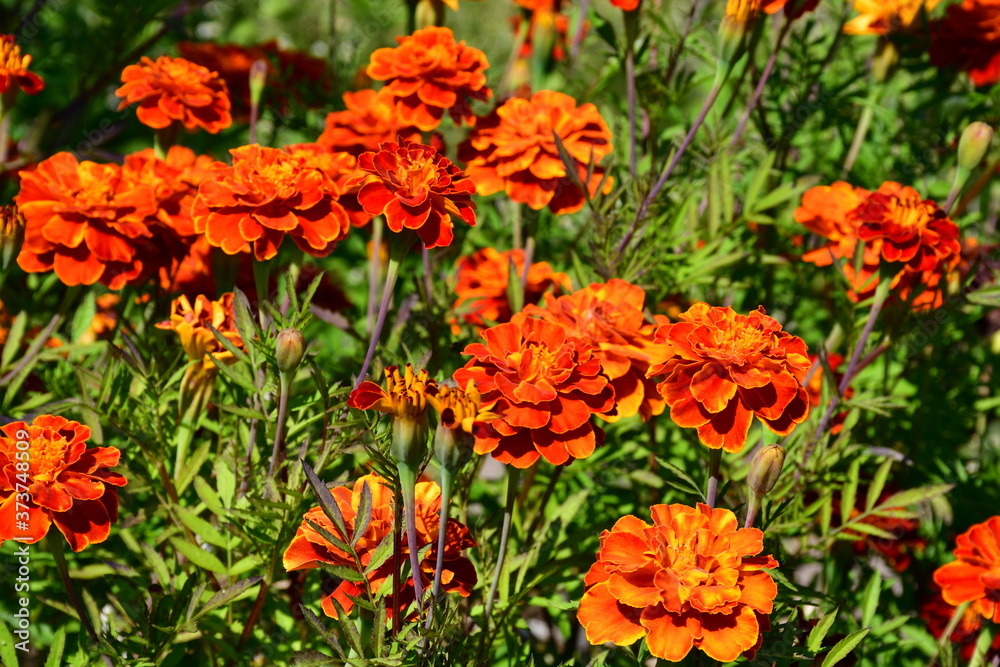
{"x": 364, "y": 515}
{"x": 202, "y": 528}
{"x": 317, "y": 625}
{"x": 816, "y": 636}
{"x": 14, "y": 337}
{"x": 84, "y": 316}
{"x": 878, "y": 483}
{"x": 848, "y": 492}
{"x": 227, "y": 595}
{"x": 869, "y": 600}
{"x": 844, "y": 647}
{"x": 225, "y": 482}
{"x": 198, "y": 556}
{"x": 7, "y": 651}
{"x": 867, "y": 529}
{"x": 342, "y": 572}
{"x": 347, "y": 625}
{"x": 326, "y": 500}
{"x": 58, "y": 646}
{"x": 914, "y": 496}
{"x": 989, "y": 296}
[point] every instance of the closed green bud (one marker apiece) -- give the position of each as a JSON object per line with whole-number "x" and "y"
{"x": 973, "y": 144}
{"x": 409, "y": 440}
{"x": 258, "y": 77}
{"x": 289, "y": 349}
{"x": 765, "y": 468}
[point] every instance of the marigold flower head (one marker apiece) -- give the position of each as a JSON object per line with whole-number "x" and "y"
{"x": 340, "y": 168}
{"x": 793, "y": 8}
{"x": 937, "y": 613}
{"x": 174, "y": 180}
{"x": 882, "y": 17}
{"x": 405, "y": 395}
{"x": 14, "y": 73}
{"x": 626, "y": 5}
{"x": 87, "y": 221}
{"x": 691, "y": 579}
{"x": 266, "y": 194}
{"x": 513, "y": 150}
{"x": 968, "y": 38}
{"x": 430, "y": 73}
{"x": 309, "y": 548}
{"x": 191, "y": 321}
{"x": 369, "y": 121}
{"x": 483, "y": 281}
{"x": 975, "y": 574}
{"x": 172, "y": 90}
{"x": 543, "y": 385}
{"x": 417, "y": 188}
{"x": 728, "y": 368}
{"x": 68, "y": 484}
{"x": 609, "y": 318}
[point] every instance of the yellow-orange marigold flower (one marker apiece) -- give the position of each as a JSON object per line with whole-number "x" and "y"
{"x": 881, "y": 17}
{"x": 266, "y": 194}
{"x": 404, "y": 394}
{"x": 67, "y": 483}
{"x": 609, "y": 318}
{"x": 726, "y": 368}
{"x": 975, "y": 574}
{"x": 14, "y": 73}
{"x": 691, "y": 579}
{"x": 369, "y": 121}
{"x": 430, "y": 73}
{"x": 191, "y": 324}
{"x": 172, "y": 90}
{"x": 309, "y": 548}
{"x": 513, "y": 150}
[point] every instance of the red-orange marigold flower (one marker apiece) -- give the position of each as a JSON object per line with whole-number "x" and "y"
{"x": 429, "y": 73}
{"x": 369, "y": 121}
{"x": 968, "y": 38}
{"x": 975, "y": 575}
{"x": 937, "y": 613}
{"x": 417, "y": 188}
{"x": 729, "y": 367}
{"x": 309, "y": 548}
{"x": 543, "y": 386}
{"x": 173, "y": 89}
{"x": 266, "y": 194}
{"x": 513, "y": 150}
{"x": 84, "y": 220}
{"x": 692, "y": 579}
{"x": 67, "y": 483}
{"x": 826, "y": 210}
{"x": 626, "y": 5}
{"x": 483, "y": 281}
{"x": 341, "y": 168}
{"x": 793, "y": 8}
{"x": 609, "y": 318}
{"x": 14, "y": 74}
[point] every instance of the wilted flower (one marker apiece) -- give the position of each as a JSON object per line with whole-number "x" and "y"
{"x": 692, "y": 579}
{"x": 513, "y": 150}
{"x": 369, "y": 121}
{"x": 172, "y": 90}
{"x": 882, "y": 17}
{"x": 973, "y": 576}
{"x": 14, "y": 73}
{"x": 309, "y": 548}
{"x": 67, "y": 483}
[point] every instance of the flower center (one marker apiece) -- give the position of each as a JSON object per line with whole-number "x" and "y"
{"x": 412, "y": 178}
{"x": 282, "y": 173}
{"x": 48, "y": 455}
{"x": 11, "y": 59}
{"x": 909, "y": 213}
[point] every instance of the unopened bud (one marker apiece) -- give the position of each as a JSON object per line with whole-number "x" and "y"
{"x": 409, "y": 440}
{"x": 973, "y": 144}
{"x": 428, "y": 13}
{"x": 765, "y": 468}
{"x": 258, "y": 77}
{"x": 289, "y": 349}
{"x": 885, "y": 60}
{"x": 11, "y": 234}
{"x": 736, "y": 23}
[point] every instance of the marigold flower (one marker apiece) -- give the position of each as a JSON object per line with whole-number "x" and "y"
{"x": 968, "y": 38}
{"x": 429, "y": 73}
{"x": 266, "y": 194}
{"x": 68, "y": 484}
{"x": 174, "y": 89}
{"x": 726, "y": 369}
{"x": 14, "y": 74}
{"x": 340, "y": 168}
{"x": 626, "y": 5}
{"x": 369, "y": 121}
{"x": 416, "y": 188}
{"x": 543, "y": 386}
{"x": 405, "y": 398}
{"x": 309, "y": 548}
{"x": 975, "y": 575}
{"x": 85, "y": 220}
{"x": 191, "y": 324}
{"x": 826, "y": 210}
{"x": 937, "y": 613}
{"x": 793, "y": 8}
{"x": 609, "y": 318}
{"x": 881, "y": 17}
{"x": 513, "y": 150}
{"x": 691, "y": 579}
{"x": 483, "y": 281}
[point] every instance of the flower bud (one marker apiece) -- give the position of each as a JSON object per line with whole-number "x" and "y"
{"x": 11, "y": 234}
{"x": 428, "y": 13}
{"x": 289, "y": 349}
{"x": 973, "y": 144}
{"x": 258, "y": 77}
{"x": 409, "y": 440}
{"x": 765, "y": 468}
{"x": 736, "y": 23}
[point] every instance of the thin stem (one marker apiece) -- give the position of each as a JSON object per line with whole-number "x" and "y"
{"x": 54, "y": 540}
{"x": 278, "y": 453}
{"x": 759, "y": 90}
{"x": 428, "y": 274}
{"x": 753, "y": 506}
{"x": 631, "y": 28}
{"x": 945, "y": 637}
{"x": 675, "y": 57}
{"x": 446, "y": 478}
{"x": 861, "y": 131}
{"x": 513, "y": 475}
{"x": 408, "y": 483}
{"x": 714, "y": 463}
{"x": 397, "y": 561}
{"x": 374, "y": 273}
{"x": 390, "y": 281}
{"x": 258, "y": 607}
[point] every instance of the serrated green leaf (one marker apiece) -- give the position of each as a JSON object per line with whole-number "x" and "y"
{"x": 326, "y": 500}
{"x": 201, "y": 528}
{"x": 844, "y": 647}
{"x": 364, "y": 515}
{"x": 317, "y": 625}
{"x": 342, "y": 572}
{"x": 849, "y": 491}
{"x": 868, "y": 529}
{"x": 347, "y": 625}
{"x": 15, "y": 335}
{"x": 816, "y": 636}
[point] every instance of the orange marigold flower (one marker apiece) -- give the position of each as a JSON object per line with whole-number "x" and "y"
{"x": 937, "y": 613}
{"x": 309, "y": 548}
{"x": 543, "y": 386}
{"x": 609, "y": 318}
{"x": 14, "y": 74}
{"x": 174, "y": 89}
{"x": 968, "y": 38}
{"x": 340, "y": 168}
{"x": 266, "y": 194}
{"x": 692, "y": 579}
{"x": 404, "y": 395}
{"x": 85, "y": 220}
{"x": 793, "y": 8}
{"x": 417, "y": 188}
{"x": 429, "y": 73}
{"x": 826, "y": 210}
{"x": 513, "y": 150}
{"x": 729, "y": 367}
{"x": 369, "y": 121}
{"x": 483, "y": 280}
{"x": 881, "y": 17}
{"x": 975, "y": 575}
{"x": 68, "y": 484}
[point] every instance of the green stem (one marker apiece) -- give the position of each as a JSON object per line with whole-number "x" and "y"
{"x": 396, "y": 255}
{"x": 54, "y": 540}
{"x": 513, "y": 475}
{"x": 408, "y": 484}
{"x": 278, "y": 454}
{"x": 864, "y": 122}
{"x": 446, "y": 479}
{"x": 714, "y": 463}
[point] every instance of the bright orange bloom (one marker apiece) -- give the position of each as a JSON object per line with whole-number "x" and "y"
{"x": 937, "y": 613}
{"x": 173, "y": 89}
{"x": 369, "y": 121}
{"x": 67, "y": 483}
{"x": 692, "y": 579}
{"x": 626, "y": 5}
{"x": 975, "y": 575}
{"x": 309, "y": 548}
{"x": 14, "y": 74}
{"x": 727, "y": 368}
{"x": 417, "y": 188}
{"x": 881, "y": 17}
{"x": 175, "y": 182}
{"x": 609, "y": 318}
{"x": 968, "y": 38}
{"x": 543, "y": 386}
{"x": 266, "y": 194}
{"x": 513, "y": 150}
{"x": 85, "y": 220}
{"x": 793, "y": 8}
{"x": 340, "y": 168}
{"x": 428, "y": 74}
{"x": 482, "y": 284}
{"x": 826, "y": 210}
{"x": 191, "y": 324}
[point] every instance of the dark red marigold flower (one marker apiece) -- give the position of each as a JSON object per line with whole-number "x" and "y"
{"x": 937, "y": 613}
